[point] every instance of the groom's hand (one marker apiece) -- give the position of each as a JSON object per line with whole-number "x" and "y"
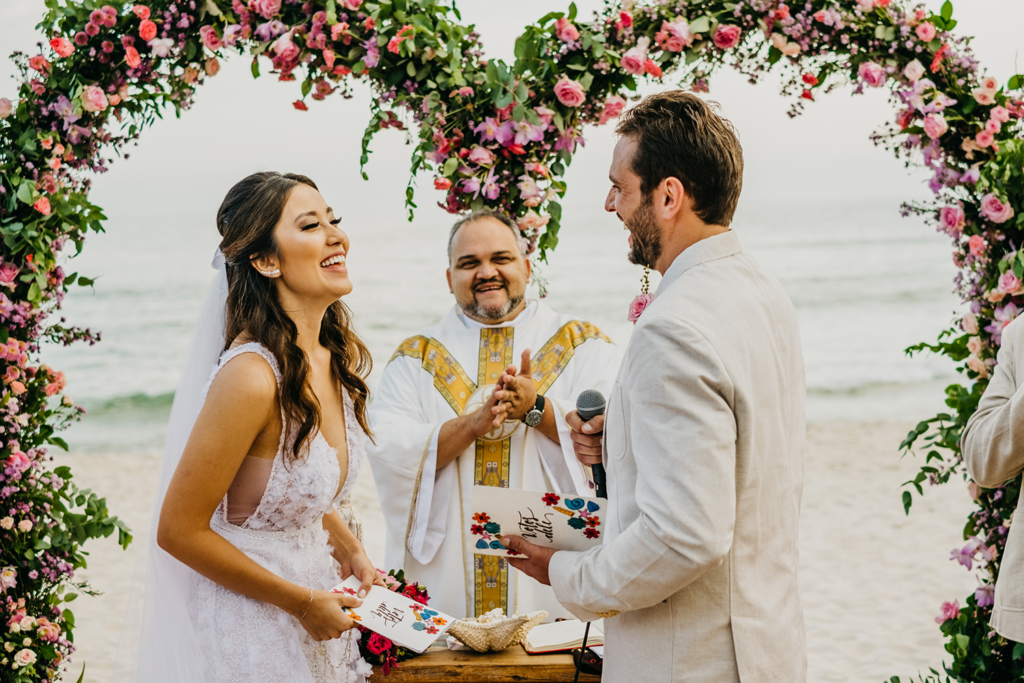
{"x": 586, "y": 438}
{"x": 535, "y": 564}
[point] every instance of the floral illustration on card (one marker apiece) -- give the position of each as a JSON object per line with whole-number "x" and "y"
{"x": 426, "y": 619}
{"x": 580, "y": 512}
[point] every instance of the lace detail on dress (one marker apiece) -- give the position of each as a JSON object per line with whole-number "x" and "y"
{"x": 250, "y": 640}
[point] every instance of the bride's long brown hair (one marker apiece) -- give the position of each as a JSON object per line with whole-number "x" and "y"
{"x": 246, "y": 221}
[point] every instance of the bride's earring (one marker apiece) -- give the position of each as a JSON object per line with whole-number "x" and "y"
{"x": 271, "y": 273}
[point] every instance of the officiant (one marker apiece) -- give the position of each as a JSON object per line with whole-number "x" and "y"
{"x": 434, "y": 424}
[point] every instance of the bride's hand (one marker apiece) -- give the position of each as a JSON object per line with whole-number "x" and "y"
{"x": 327, "y": 618}
{"x": 358, "y": 564}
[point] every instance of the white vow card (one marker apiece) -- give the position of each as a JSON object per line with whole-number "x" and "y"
{"x": 398, "y": 618}
{"x": 549, "y": 519}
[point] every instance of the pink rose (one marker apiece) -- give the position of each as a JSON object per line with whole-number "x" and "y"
{"x": 286, "y": 50}
{"x": 566, "y": 31}
{"x": 612, "y": 108}
{"x": 352, "y": 4}
{"x": 1008, "y": 283}
{"x": 48, "y": 631}
{"x": 132, "y": 59}
{"x": 935, "y": 126}
{"x": 94, "y": 99}
{"x": 952, "y": 219}
{"x": 976, "y": 245}
{"x": 25, "y": 658}
{"x": 995, "y": 210}
{"x": 1000, "y": 114}
{"x": 532, "y": 221}
{"x": 141, "y": 11}
{"x": 481, "y": 155}
{"x": 969, "y": 323}
{"x": 638, "y": 305}
{"x": 42, "y": 205}
{"x": 267, "y": 9}
{"x": 8, "y": 276}
{"x": 209, "y": 37}
{"x": 570, "y": 93}
{"x": 212, "y": 66}
{"x": 984, "y": 139}
{"x": 62, "y": 46}
{"x": 950, "y": 610}
{"x": 147, "y": 30}
{"x": 974, "y": 345}
{"x": 820, "y": 16}
{"x": 6, "y": 108}
{"x": 990, "y": 84}
{"x": 18, "y": 460}
{"x": 872, "y": 74}
{"x": 984, "y": 97}
{"x": 676, "y": 36}
{"x": 977, "y": 365}
{"x": 993, "y": 126}
{"x": 633, "y": 61}
{"x": 925, "y": 31}
{"x": 914, "y": 71}
{"x": 727, "y": 36}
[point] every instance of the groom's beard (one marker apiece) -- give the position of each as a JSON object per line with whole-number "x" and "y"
{"x": 646, "y": 236}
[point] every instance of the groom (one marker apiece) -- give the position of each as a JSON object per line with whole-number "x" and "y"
{"x": 704, "y": 431}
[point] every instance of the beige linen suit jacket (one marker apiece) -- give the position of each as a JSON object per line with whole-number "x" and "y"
{"x": 993, "y": 449}
{"x": 703, "y": 447}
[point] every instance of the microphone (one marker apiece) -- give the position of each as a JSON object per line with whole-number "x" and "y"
{"x": 589, "y": 405}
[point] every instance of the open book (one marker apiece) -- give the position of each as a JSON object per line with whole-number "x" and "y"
{"x": 561, "y": 636}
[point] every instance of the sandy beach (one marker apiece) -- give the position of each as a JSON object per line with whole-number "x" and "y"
{"x": 872, "y": 579}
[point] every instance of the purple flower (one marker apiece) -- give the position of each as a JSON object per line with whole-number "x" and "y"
{"x": 1004, "y": 315}
{"x": 984, "y": 595}
{"x": 971, "y": 176}
{"x": 964, "y": 556}
{"x": 62, "y": 108}
{"x": 270, "y": 30}
{"x": 491, "y": 189}
{"x": 372, "y": 57}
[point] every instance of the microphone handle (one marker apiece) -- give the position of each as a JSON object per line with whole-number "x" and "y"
{"x": 600, "y": 480}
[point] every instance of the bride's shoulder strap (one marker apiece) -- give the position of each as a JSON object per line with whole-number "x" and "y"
{"x": 251, "y": 347}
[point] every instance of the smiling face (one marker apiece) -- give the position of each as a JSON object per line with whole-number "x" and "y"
{"x": 311, "y": 249}
{"x": 636, "y": 210}
{"x": 488, "y": 273}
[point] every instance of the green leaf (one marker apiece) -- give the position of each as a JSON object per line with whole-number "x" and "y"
{"x": 586, "y": 80}
{"x": 307, "y": 85}
{"x": 331, "y": 9}
{"x": 1018, "y": 650}
{"x": 450, "y": 166}
{"x": 700, "y": 25}
{"x": 947, "y": 10}
{"x": 57, "y": 441}
{"x": 410, "y": 69}
{"x": 774, "y": 54}
{"x": 962, "y": 641}
{"x": 572, "y": 11}
{"x": 255, "y": 67}
{"x": 25, "y": 191}
{"x": 1015, "y": 82}
{"x": 518, "y": 112}
{"x": 908, "y": 500}
{"x": 212, "y": 8}
{"x": 86, "y": 282}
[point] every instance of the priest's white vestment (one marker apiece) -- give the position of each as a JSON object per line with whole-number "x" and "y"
{"x": 446, "y": 371}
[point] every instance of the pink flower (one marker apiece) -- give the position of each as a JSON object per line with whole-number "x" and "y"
{"x": 675, "y": 37}
{"x": 141, "y": 11}
{"x": 25, "y": 658}
{"x": 352, "y": 4}
{"x": 132, "y": 59}
{"x": 985, "y": 595}
{"x": 481, "y": 155}
{"x": 727, "y": 36}
{"x": 652, "y": 68}
{"x": 285, "y": 50}
{"x": 969, "y": 323}
{"x": 990, "y": 84}
{"x": 1008, "y": 283}
{"x": 529, "y": 191}
{"x": 570, "y": 93}
{"x": 42, "y": 205}
{"x": 62, "y": 46}
{"x": 633, "y": 60}
{"x": 265, "y": 8}
{"x": 1000, "y": 114}
{"x": 39, "y": 63}
{"x": 976, "y": 245}
{"x": 952, "y": 219}
{"x": 19, "y": 461}
{"x": 993, "y": 126}
{"x": 613, "y": 106}
{"x": 974, "y": 345}
{"x": 821, "y": 15}
{"x": 212, "y": 66}
{"x": 209, "y": 37}
{"x": 147, "y": 30}
{"x": 925, "y": 31}
{"x": 9, "y": 275}
{"x": 546, "y": 115}
{"x": 566, "y": 31}
{"x": 872, "y": 74}
{"x": 94, "y": 99}
{"x": 949, "y": 610}
{"x": 982, "y": 96}
{"x": 995, "y": 210}
{"x": 914, "y": 71}
{"x": 984, "y": 139}
{"x": 18, "y": 388}
{"x": 48, "y": 631}
{"x": 6, "y": 108}
{"x": 638, "y": 306}
{"x": 935, "y": 126}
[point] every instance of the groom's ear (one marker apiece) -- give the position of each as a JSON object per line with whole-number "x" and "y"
{"x": 674, "y": 199}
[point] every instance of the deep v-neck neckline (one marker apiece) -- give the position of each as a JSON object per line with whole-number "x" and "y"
{"x": 348, "y": 446}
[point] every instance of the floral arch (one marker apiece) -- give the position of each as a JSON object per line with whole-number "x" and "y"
{"x": 494, "y": 134}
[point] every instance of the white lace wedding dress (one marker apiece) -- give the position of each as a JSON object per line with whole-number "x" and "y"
{"x": 250, "y": 641}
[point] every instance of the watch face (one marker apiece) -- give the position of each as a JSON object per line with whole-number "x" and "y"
{"x": 534, "y": 418}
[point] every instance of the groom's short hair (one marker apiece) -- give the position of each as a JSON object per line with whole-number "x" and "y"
{"x": 679, "y": 135}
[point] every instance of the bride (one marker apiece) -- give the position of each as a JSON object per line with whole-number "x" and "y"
{"x": 249, "y": 541}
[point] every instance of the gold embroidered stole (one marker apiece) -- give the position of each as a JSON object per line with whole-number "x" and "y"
{"x": 491, "y": 467}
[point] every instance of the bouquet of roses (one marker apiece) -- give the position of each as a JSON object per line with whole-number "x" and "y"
{"x": 374, "y": 647}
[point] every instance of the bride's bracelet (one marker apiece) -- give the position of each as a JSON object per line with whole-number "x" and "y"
{"x": 308, "y": 605}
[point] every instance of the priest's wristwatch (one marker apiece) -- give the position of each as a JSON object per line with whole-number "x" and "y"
{"x": 536, "y": 414}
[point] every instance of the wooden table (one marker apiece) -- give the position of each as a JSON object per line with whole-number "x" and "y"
{"x": 441, "y": 665}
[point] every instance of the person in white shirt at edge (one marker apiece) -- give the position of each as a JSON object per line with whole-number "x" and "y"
{"x": 993, "y": 451}
{"x": 441, "y": 426}
{"x": 704, "y": 431}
